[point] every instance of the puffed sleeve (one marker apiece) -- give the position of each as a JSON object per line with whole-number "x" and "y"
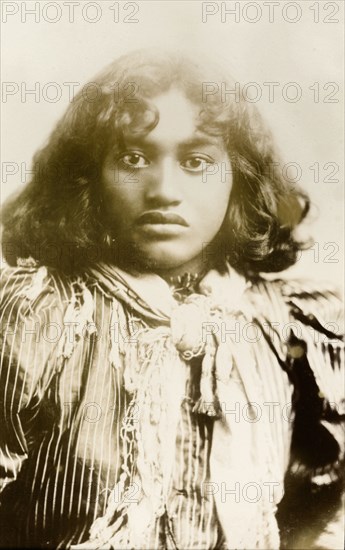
{"x": 31, "y": 315}
{"x": 312, "y": 506}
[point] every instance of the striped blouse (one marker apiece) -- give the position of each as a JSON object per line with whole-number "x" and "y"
{"x": 61, "y": 416}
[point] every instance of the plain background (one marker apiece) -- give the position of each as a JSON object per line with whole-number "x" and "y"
{"x": 308, "y": 52}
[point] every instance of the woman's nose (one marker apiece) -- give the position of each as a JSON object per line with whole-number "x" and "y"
{"x": 163, "y": 185}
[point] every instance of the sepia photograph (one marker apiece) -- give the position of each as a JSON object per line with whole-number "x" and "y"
{"x": 172, "y": 275}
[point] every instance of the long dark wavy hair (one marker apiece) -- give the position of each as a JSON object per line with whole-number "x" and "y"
{"x": 58, "y": 218}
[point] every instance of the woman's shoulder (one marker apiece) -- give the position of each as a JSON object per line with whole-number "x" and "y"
{"x": 303, "y": 288}
{"x": 33, "y": 285}
{"x": 307, "y": 317}
{"x": 310, "y": 302}
{"x": 37, "y": 299}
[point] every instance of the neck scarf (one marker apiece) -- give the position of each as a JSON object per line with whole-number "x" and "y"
{"x": 154, "y": 359}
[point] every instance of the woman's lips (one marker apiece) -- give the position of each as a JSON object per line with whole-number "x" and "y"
{"x": 161, "y": 224}
{"x": 165, "y": 218}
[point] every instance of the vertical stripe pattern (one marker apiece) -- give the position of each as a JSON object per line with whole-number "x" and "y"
{"x": 60, "y": 440}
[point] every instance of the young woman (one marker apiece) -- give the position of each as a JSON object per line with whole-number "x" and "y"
{"x": 156, "y": 390}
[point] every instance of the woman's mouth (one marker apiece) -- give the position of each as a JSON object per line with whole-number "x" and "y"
{"x": 161, "y": 224}
{"x": 158, "y": 217}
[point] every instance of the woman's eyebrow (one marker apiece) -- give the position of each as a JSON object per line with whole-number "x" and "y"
{"x": 199, "y": 141}
{"x": 193, "y": 141}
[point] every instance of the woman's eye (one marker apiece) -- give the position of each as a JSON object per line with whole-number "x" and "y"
{"x": 134, "y": 160}
{"x": 196, "y": 164}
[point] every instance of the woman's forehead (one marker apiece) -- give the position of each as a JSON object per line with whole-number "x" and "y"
{"x": 178, "y": 124}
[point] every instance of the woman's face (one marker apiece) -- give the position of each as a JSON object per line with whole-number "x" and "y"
{"x": 166, "y": 193}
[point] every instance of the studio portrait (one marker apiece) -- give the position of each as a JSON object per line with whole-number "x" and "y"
{"x": 172, "y": 339}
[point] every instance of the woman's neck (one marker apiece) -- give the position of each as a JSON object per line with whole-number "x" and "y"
{"x": 196, "y": 266}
